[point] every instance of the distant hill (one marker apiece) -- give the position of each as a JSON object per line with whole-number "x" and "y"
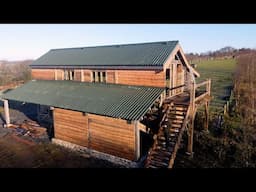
{"x": 223, "y": 53}
{"x": 13, "y": 71}
{"x": 24, "y": 62}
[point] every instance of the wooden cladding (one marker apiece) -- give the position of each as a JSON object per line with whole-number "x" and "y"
{"x": 60, "y": 74}
{"x": 126, "y": 77}
{"x": 71, "y": 126}
{"x": 87, "y": 76}
{"x": 112, "y": 136}
{"x": 111, "y": 77}
{"x": 104, "y": 134}
{"x": 43, "y": 74}
{"x": 141, "y": 78}
{"x": 77, "y": 75}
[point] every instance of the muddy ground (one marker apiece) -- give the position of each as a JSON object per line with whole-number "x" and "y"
{"x": 17, "y": 152}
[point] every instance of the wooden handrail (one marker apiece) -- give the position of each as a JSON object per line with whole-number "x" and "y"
{"x": 201, "y": 84}
{"x": 176, "y": 87}
{"x": 201, "y": 96}
{"x": 193, "y": 99}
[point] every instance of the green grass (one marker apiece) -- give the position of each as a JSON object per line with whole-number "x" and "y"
{"x": 220, "y": 72}
{"x": 223, "y": 65}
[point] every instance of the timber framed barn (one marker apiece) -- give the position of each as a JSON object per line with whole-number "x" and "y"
{"x": 119, "y": 99}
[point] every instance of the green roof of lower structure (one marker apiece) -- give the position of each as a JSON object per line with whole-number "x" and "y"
{"x": 118, "y": 101}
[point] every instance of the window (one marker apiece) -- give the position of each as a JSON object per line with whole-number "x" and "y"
{"x": 167, "y": 75}
{"x": 69, "y": 74}
{"x": 104, "y": 77}
{"x": 98, "y": 76}
{"x": 93, "y": 76}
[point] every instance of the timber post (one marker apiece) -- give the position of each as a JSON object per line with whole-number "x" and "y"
{"x": 192, "y": 97}
{"x": 191, "y": 119}
{"x": 206, "y": 122}
{"x": 6, "y": 113}
{"x": 190, "y": 135}
{"x": 82, "y": 75}
{"x": 137, "y": 141}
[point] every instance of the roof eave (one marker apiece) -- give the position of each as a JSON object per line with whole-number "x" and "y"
{"x": 158, "y": 67}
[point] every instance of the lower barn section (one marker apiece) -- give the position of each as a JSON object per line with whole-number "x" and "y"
{"x": 98, "y": 116}
{"x": 105, "y": 134}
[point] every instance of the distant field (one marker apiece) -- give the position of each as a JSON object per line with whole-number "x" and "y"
{"x": 220, "y": 72}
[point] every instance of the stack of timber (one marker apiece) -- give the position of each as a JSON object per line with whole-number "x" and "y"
{"x": 29, "y": 128}
{"x": 168, "y": 138}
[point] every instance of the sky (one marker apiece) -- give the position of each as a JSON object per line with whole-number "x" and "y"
{"x": 30, "y": 41}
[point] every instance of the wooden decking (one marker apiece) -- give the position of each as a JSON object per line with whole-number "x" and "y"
{"x": 179, "y": 113}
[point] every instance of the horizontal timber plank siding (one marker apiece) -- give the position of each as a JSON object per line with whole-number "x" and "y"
{"x": 43, "y": 74}
{"x": 111, "y": 77}
{"x": 71, "y": 126}
{"x": 60, "y": 75}
{"x": 104, "y": 134}
{"x": 112, "y": 136}
{"x": 141, "y": 78}
{"x": 126, "y": 77}
{"x": 87, "y": 75}
{"x": 77, "y": 75}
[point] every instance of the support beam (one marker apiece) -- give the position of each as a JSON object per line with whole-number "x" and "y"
{"x": 137, "y": 140}
{"x": 192, "y": 97}
{"x": 82, "y": 75}
{"x": 6, "y": 113}
{"x": 190, "y": 135}
{"x": 206, "y": 122}
{"x": 174, "y": 71}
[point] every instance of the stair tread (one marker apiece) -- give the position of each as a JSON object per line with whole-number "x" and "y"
{"x": 176, "y": 125}
{"x": 178, "y": 117}
{"x": 160, "y": 158}
{"x": 151, "y": 166}
{"x": 175, "y": 130}
{"x": 158, "y": 163}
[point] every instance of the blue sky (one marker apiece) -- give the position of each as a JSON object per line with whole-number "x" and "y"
{"x": 30, "y": 41}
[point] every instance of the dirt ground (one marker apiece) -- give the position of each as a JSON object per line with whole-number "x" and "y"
{"x": 16, "y": 152}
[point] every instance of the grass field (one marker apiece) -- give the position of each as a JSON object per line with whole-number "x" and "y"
{"x": 220, "y": 72}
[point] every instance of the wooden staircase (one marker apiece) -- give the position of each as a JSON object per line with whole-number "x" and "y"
{"x": 172, "y": 126}
{"x": 179, "y": 114}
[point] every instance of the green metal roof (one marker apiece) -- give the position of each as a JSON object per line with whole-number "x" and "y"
{"x": 142, "y": 54}
{"x": 119, "y": 101}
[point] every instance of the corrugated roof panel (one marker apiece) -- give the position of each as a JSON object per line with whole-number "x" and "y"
{"x": 119, "y": 101}
{"x": 141, "y": 54}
